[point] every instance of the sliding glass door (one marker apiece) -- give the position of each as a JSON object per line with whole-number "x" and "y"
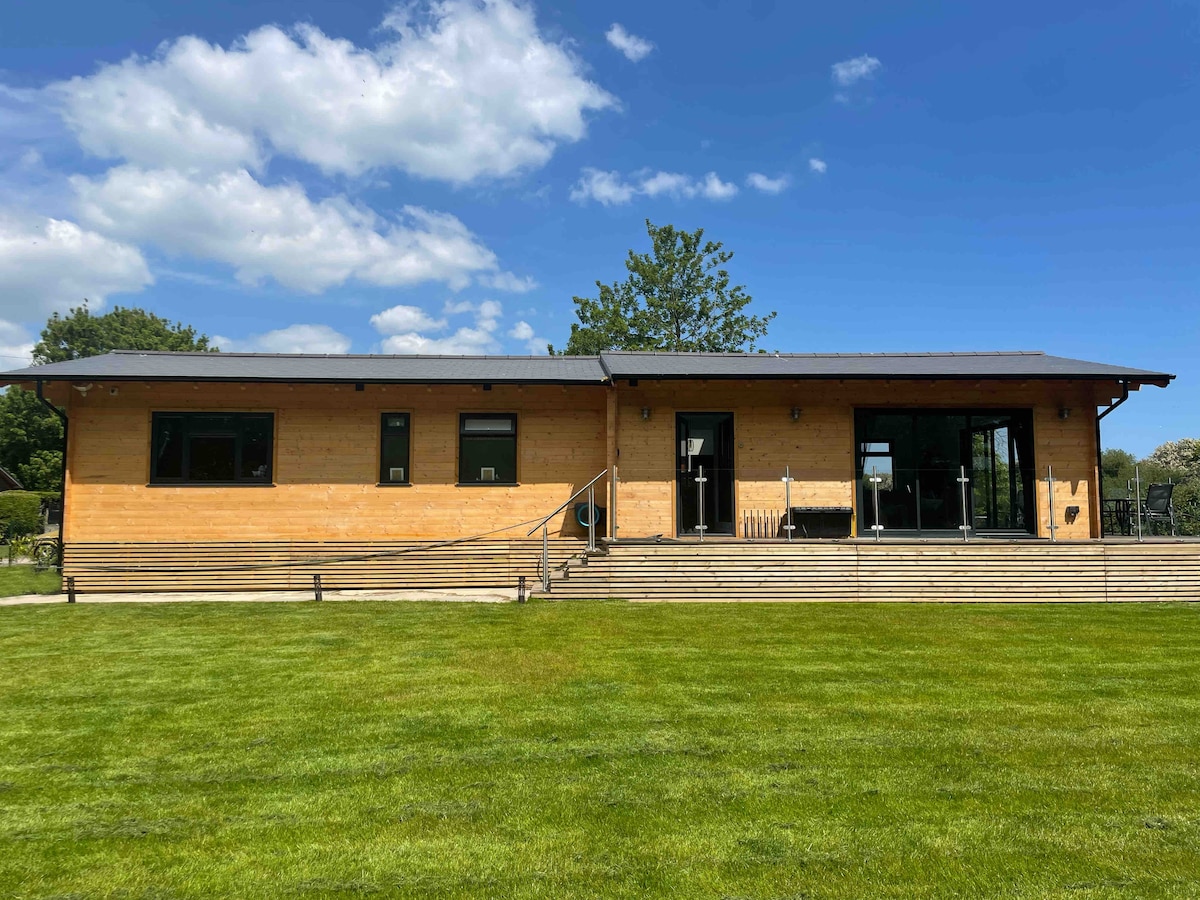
{"x": 918, "y": 457}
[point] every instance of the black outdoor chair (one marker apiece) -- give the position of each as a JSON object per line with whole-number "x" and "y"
{"x": 1158, "y": 506}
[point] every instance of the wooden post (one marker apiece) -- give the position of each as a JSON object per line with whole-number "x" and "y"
{"x": 317, "y": 586}
{"x": 71, "y": 589}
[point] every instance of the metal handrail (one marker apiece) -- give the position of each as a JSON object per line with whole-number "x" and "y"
{"x": 566, "y": 504}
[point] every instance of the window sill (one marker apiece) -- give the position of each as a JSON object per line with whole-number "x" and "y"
{"x": 393, "y": 484}
{"x": 487, "y": 484}
{"x": 210, "y": 484}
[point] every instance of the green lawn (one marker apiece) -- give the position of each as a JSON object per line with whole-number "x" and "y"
{"x": 599, "y": 750}
{"x": 23, "y": 579}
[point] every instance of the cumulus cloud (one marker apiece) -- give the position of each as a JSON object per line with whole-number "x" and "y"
{"x": 524, "y": 332}
{"x": 293, "y": 339}
{"x": 458, "y": 90}
{"x": 508, "y": 282}
{"x": 405, "y": 318}
{"x": 278, "y": 232}
{"x": 766, "y": 184}
{"x": 405, "y": 329}
{"x": 51, "y": 264}
{"x": 635, "y": 48}
{"x": 851, "y": 71}
{"x": 817, "y": 165}
{"x": 612, "y": 189}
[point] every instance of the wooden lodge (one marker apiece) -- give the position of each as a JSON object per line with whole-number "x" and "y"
{"x": 757, "y": 476}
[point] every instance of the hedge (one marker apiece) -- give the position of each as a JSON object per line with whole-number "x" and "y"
{"x": 20, "y": 514}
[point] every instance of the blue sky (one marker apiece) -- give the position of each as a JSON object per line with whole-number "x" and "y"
{"x": 329, "y": 176}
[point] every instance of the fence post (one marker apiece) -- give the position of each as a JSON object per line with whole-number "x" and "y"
{"x": 521, "y": 589}
{"x": 963, "y": 480}
{"x": 1050, "y": 506}
{"x": 317, "y": 587}
{"x": 700, "y": 479}
{"x": 875, "y": 480}
{"x": 1137, "y": 497}
{"x": 71, "y": 589}
{"x": 787, "y": 499}
{"x": 591, "y": 520}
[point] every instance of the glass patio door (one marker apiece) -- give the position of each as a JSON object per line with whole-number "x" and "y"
{"x": 704, "y": 441}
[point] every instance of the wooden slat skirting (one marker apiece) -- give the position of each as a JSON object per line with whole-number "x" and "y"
{"x": 290, "y": 565}
{"x": 994, "y": 572}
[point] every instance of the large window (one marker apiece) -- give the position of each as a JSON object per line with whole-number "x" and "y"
{"x": 211, "y": 448}
{"x": 919, "y": 455}
{"x": 487, "y": 448}
{"x": 394, "y": 449}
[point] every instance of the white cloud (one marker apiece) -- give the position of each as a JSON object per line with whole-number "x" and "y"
{"x": 405, "y": 331}
{"x": 611, "y": 189}
{"x": 817, "y": 165}
{"x": 524, "y": 332}
{"x": 635, "y": 48}
{"x": 405, "y": 318}
{"x": 851, "y": 71}
{"x": 603, "y": 187}
{"x": 16, "y": 346}
{"x": 52, "y": 264}
{"x": 278, "y": 232}
{"x": 293, "y": 339}
{"x": 768, "y": 185}
{"x": 508, "y": 282}
{"x": 458, "y": 90}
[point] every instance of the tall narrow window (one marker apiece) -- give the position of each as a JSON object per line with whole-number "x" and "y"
{"x": 394, "y": 449}
{"x": 487, "y": 448}
{"x": 211, "y": 448}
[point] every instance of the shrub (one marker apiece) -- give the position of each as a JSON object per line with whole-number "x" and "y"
{"x": 20, "y": 514}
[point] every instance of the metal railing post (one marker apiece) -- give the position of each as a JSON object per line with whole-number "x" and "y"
{"x": 1050, "y": 494}
{"x": 963, "y": 480}
{"x": 700, "y": 480}
{"x": 787, "y": 499}
{"x": 591, "y": 520}
{"x": 546, "y": 558}
{"x": 1137, "y": 497}
{"x": 612, "y": 504}
{"x": 875, "y": 481}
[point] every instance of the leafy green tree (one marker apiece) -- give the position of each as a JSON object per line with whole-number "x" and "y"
{"x": 79, "y": 334}
{"x": 677, "y": 297}
{"x": 1120, "y": 468}
{"x": 1182, "y": 455}
{"x": 31, "y": 435}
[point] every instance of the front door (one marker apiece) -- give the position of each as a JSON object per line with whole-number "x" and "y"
{"x": 704, "y": 444}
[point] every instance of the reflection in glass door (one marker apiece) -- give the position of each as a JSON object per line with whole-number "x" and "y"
{"x": 997, "y": 489}
{"x": 704, "y": 440}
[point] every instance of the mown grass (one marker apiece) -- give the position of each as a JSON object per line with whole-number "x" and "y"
{"x": 25, "y": 579}
{"x": 599, "y": 750}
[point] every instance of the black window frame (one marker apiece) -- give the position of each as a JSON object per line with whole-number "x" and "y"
{"x": 384, "y": 434}
{"x": 464, "y": 435}
{"x": 189, "y": 431}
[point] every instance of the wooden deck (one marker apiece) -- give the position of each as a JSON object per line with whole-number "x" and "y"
{"x": 843, "y": 570}
{"x": 990, "y": 571}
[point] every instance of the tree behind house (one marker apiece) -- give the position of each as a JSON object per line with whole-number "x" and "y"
{"x": 30, "y": 435}
{"x": 675, "y": 298}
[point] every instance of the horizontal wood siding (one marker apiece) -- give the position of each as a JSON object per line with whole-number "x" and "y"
{"x": 284, "y": 565}
{"x": 327, "y": 465}
{"x": 981, "y": 571}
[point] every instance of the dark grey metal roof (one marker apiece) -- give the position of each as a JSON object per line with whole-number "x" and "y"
{"x": 999, "y": 364}
{"x": 131, "y": 365}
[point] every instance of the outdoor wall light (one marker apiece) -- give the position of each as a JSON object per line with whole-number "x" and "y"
{"x": 645, "y": 413}
{"x": 1064, "y": 413}
{"x": 795, "y": 414}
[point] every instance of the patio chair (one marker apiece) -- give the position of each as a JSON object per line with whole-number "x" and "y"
{"x": 1158, "y": 506}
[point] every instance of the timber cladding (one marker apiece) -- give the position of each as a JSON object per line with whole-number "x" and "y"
{"x": 326, "y": 464}
{"x": 819, "y": 446}
{"x": 327, "y": 443}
